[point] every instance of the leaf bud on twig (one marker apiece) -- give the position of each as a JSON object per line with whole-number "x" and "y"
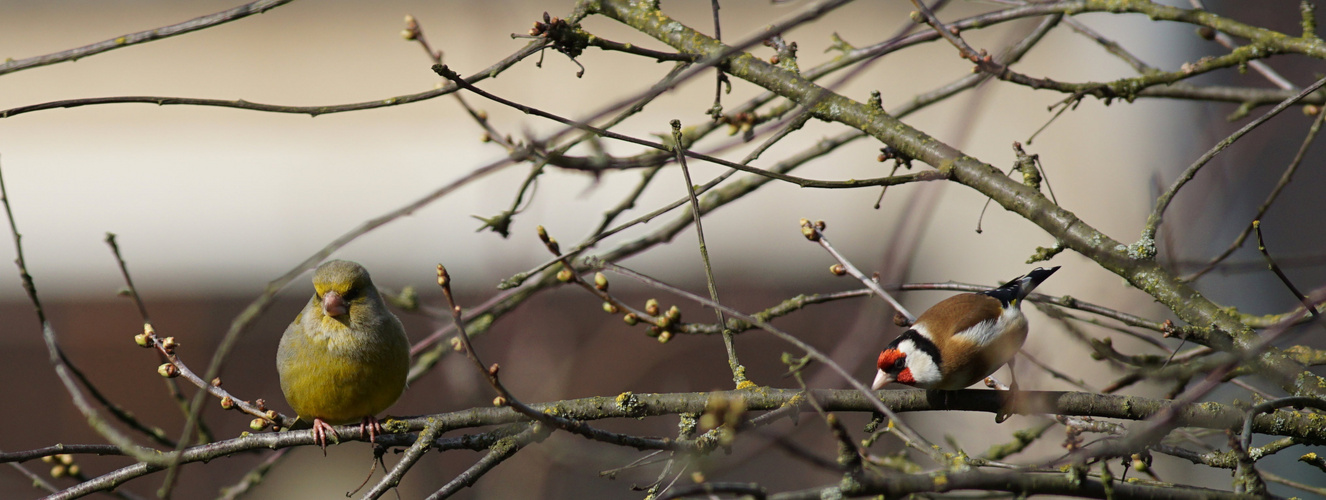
{"x": 168, "y": 370}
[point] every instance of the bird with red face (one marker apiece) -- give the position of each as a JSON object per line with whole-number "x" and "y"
{"x": 962, "y": 339}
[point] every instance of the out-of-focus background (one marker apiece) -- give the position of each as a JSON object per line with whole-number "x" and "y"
{"x": 209, "y": 204}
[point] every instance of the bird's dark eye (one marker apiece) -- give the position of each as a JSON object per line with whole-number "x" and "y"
{"x": 900, "y": 363}
{"x": 349, "y": 294}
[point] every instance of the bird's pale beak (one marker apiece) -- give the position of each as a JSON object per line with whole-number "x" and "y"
{"x": 881, "y": 379}
{"x": 333, "y": 304}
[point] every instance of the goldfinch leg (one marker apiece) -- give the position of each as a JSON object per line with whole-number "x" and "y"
{"x": 1011, "y": 401}
{"x": 320, "y": 431}
{"x": 372, "y": 427}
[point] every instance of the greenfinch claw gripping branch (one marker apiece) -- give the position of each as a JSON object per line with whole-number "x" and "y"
{"x": 345, "y": 357}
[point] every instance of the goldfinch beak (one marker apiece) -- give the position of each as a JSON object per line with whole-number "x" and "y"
{"x": 881, "y": 379}
{"x": 333, "y": 304}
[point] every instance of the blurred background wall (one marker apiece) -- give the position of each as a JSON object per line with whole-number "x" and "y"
{"x": 211, "y": 203}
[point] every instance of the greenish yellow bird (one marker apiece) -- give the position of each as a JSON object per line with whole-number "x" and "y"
{"x": 345, "y": 357}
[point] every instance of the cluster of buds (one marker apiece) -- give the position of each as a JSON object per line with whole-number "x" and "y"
{"x": 62, "y": 465}
{"x": 981, "y": 57}
{"x": 664, "y": 323}
{"x": 443, "y": 277}
{"x": 566, "y": 275}
{"x": 601, "y": 284}
{"x": 270, "y": 417}
{"x": 149, "y": 339}
{"x": 168, "y": 370}
{"x": 660, "y": 324}
{"x": 785, "y": 51}
{"x": 1167, "y": 329}
{"x": 549, "y": 23}
{"x": 411, "y": 31}
{"x": 1073, "y": 438}
{"x": 227, "y": 401}
{"x": 723, "y": 414}
{"x": 812, "y": 231}
{"x": 146, "y": 338}
{"x": 562, "y": 34}
{"x": 168, "y": 344}
{"x": 900, "y": 159}
{"x": 740, "y": 122}
{"x": 1141, "y": 462}
{"x": 900, "y": 320}
{"x": 265, "y": 419}
{"x": 549, "y": 241}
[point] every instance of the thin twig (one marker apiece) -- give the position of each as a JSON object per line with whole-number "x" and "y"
{"x": 781, "y": 309}
{"x": 36, "y": 479}
{"x": 1295, "y": 401}
{"x": 1153, "y": 221}
{"x": 814, "y": 232}
{"x": 173, "y": 388}
{"x": 254, "y": 476}
{"x": 1075, "y": 382}
{"x": 1257, "y": 65}
{"x": 713, "y": 489}
{"x": 533, "y": 48}
{"x": 412, "y": 455}
{"x": 560, "y": 151}
{"x": 1275, "y": 478}
{"x": 446, "y": 72}
{"x": 505, "y": 398}
{"x": 58, "y": 360}
{"x": 1110, "y": 46}
{"x": 1261, "y": 246}
{"x": 716, "y": 111}
{"x": 738, "y": 371}
{"x": 500, "y": 451}
{"x": 807, "y": 15}
{"x": 1058, "y": 313}
{"x": 600, "y": 234}
{"x": 1285, "y": 178}
{"x": 815, "y": 353}
{"x": 122, "y": 41}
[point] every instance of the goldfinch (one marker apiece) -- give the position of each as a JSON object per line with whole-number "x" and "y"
{"x": 345, "y": 357}
{"x": 962, "y": 339}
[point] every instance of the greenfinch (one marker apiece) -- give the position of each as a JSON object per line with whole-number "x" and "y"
{"x": 345, "y": 357}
